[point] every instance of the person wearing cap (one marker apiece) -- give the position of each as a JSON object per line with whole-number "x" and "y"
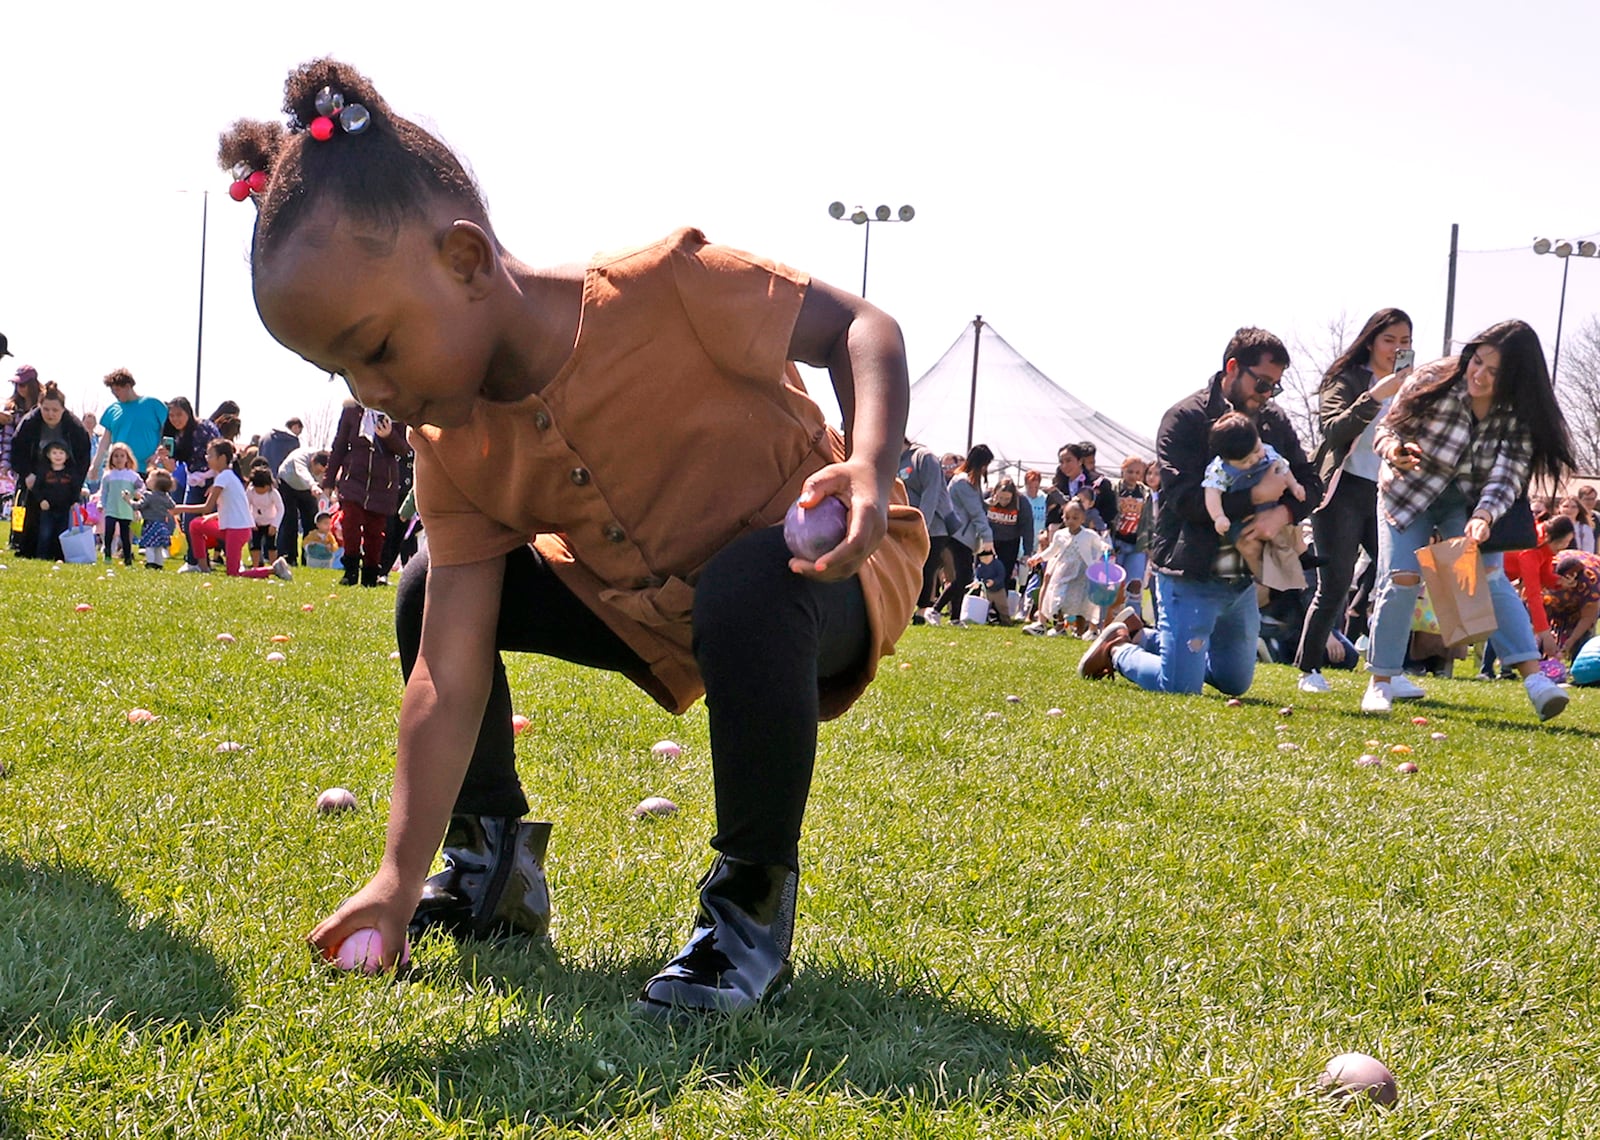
{"x": 5, "y": 346}
{"x": 131, "y": 419}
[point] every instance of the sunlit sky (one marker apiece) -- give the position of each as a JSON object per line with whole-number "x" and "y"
{"x": 1114, "y": 187}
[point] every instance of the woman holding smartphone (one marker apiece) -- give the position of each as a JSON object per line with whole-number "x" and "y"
{"x": 1464, "y": 437}
{"x": 1355, "y": 392}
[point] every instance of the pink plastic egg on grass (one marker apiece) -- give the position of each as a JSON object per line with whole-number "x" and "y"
{"x": 1436, "y": 736}
{"x": 1287, "y": 746}
{"x": 905, "y": 664}
{"x": 1234, "y": 702}
{"x": 394, "y": 655}
{"x": 230, "y": 746}
{"x": 654, "y": 806}
{"x": 1408, "y": 767}
{"x": 336, "y": 799}
{"x": 276, "y": 658}
{"x": 1055, "y": 712}
{"x": 307, "y": 608}
{"x": 519, "y": 724}
{"x": 1368, "y": 760}
{"x": 810, "y": 532}
{"x": 1013, "y": 699}
{"x": 666, "y": 749}
{"x": 363, "y": 951}
{"x": 141, "y": 716}
{"x": 1419, "y": 720}
{"x": 83, "y": 607}
{"x": 225, "y": 639}
{"x": 1351, "y": 1073}
{"x": 1286, "y": 710}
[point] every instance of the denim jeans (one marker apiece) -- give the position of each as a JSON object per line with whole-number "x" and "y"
{"x": 1207, "y": 635}
{"x": 1394, "y": 603}
{"x": 1126, "y": 553}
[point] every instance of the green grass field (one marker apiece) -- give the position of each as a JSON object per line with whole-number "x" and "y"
{"x": 1142, "y": 919}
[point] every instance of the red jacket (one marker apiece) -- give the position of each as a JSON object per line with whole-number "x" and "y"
{"x": 1536, "y": 570}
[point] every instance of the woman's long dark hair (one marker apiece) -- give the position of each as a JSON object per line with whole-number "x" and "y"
{"x": 977, "y": 462}
{"x": 1522, "y": 385}
{"x": 1359, "y": 354}
{"x": 182, "y": 440}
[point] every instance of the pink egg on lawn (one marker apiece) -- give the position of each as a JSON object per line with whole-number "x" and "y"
{"x": 519, "y": 724}
{"x": 307, "y": 608}
{"x": 654, "y": 805}
{"x": 230, "y": 746}
{"x": 1368, "y": 760}
{"x": 141, "y": 716}
{"x": 336, "y": 799}
{"x": 905, "y": 664}
{"x": 83, "y": 607}
{"x": 276, "y": 658}
{"x": 1419, "y": 720}
{"x": 394, "y": 655}
{"x": 1286, "y": 746}
{"x": 1436, "y": 736}
{"x": 1013, "y": 699}
{"x": 1055, "y": 712}
{"x": 1408, "y": 767}
{"x": 1351, "y": 1073}
{"x": 1234, "y": 702}
{"x": 363, "y": 951}
{"x": 666, "y": 749}
{"x": 225, "y": 638}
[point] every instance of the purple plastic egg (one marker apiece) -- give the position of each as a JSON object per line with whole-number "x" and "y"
{"x": 810, "y": 532}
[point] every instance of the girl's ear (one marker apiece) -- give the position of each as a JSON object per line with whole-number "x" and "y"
{"x": 470, "y": 256}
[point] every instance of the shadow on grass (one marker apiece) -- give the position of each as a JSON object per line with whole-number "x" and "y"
{"x": 72, "y": 956}
{"x": 874, "y": 1035}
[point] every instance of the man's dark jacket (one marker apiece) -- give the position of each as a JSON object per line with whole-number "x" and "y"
{"x": 1185, "y": 540}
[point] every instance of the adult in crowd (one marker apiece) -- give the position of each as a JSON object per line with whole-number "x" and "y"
{"x": 279, "y": 442}
{"x": 928, "y": 489}
{"x": 1354, "y": 394}
{"x": 1038, "y": 503}
{"x": 1590, "y": 500}
{"x": 23, "y": 399}
{"x": 364, "y": 467}
{"x": 131, "y": 419}
{"x": 1131, "y": 525}
{"x": 1573, "y": 602}
{"x": 1210, "y": 619}
{"x": 190, "y": 436}
{"x": 299, "y": 477}
{"x": 969, "y": 529}
{"x": 1011, "y": 527}
{"x": 1459, "y": 446}
{"x": 49, "y": 423}
{"x": 1582, "y": 522}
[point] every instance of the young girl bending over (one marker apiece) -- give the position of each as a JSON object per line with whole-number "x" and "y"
{"x": 225, "y": 518}
{"x": 120, "y": 481}
{"x": 552, "y": 412}
{"x": 155, "y": 506}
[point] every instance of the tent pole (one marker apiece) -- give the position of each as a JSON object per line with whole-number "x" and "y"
{"x": 972, "y": 403}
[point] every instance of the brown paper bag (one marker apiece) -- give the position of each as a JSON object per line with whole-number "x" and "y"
{"x": 1459, "y": 590}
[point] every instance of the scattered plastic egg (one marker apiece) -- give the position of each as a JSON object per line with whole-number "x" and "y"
{"x": 654, "y": 806}
{"x": 666, "y": 749}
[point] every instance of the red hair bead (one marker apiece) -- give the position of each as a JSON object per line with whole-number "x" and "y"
{"x": 321, "y": 128}
{"x": 240, "y": 190}
{"x": 258, "y": 182}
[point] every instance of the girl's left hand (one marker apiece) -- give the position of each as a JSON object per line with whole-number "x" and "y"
{"x": 1477, "y": 530}
{"x": 856, "y": 485}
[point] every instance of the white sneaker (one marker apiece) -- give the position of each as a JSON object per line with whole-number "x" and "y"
{"x": 931, "y": 616}
{"x": 1403, "y": 688}
{"x": 1378, "y": 698}
{"x": 188, "y": 568}
{"x": 1549, "y": 699}
{"x": 1314, "y": 682}
{"x": 281, "y": 569}
{"x": 1033, "y": 628}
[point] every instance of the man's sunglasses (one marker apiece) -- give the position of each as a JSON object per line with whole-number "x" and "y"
{"x": 1265, "y": 385}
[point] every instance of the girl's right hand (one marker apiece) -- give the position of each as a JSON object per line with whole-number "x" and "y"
{"x": 384, "y": 904}
{"x": 1404, "y": 456}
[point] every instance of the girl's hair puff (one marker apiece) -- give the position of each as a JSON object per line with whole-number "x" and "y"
{"x": 126, "y": 452}
{"x": 385, "y": 174}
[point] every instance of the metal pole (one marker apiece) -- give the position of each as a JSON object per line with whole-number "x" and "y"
{"x": 200, "y": 333}
{"x": 1566, "y": 263}
{"x": 1450, "y": 291}
{"x": 866, "y": 248}
{"x": 972, "y": 404}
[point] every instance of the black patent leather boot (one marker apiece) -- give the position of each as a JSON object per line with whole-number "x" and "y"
{"x": 493, "y": 882}
{"x": 738, "y": 956}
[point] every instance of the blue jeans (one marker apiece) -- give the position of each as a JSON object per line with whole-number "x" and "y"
{"x": 1394, "y": 602}
{"x": 1127, "y": 555}
{"x": 1207, "y": 635}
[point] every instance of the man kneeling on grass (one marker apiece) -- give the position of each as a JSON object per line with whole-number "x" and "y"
{"x": 1209, "y": 617}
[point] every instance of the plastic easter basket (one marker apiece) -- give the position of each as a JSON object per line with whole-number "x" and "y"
{"x": 1104, "y": 578}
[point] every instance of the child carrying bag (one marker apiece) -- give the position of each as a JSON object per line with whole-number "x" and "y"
{"x": 78, "y": 542}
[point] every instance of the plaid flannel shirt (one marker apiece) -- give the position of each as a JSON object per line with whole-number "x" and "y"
{"x": 1489, "y": 460}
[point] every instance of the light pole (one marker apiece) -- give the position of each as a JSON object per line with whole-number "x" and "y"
{"x": 1564, "y": 248}
{"x": 860, "y": 217}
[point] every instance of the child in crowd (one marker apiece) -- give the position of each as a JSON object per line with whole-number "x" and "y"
{"x": 564, "y": 521}
{"x": 121, "y": 480}
{"x": 226, "y": 519}
{"x": 1065, "y": 594}
{"x": 320, "y": 547}
{"x": 56, "y": 491}
{"x": 155, "y": 508}
{"x": 1241, "y": 462}
{"x": 1133, "y": 528}
{"x": 1091, "y": 514}
{"x": 990, "y": 573}
{"x": 266, "y": 515}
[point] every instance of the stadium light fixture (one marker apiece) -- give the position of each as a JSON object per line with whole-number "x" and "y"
{"x": 1565, "y": 249}
{"x": 858, "y": 215}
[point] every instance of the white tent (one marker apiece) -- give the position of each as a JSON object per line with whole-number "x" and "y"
{"x": 1021, "y": 413}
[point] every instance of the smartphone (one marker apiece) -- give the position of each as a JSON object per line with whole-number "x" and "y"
{"x": 170, "y": 443}
{"x": 1404, "y": 359}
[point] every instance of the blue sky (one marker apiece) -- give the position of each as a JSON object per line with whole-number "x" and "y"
{"x": 1114, "y": 187}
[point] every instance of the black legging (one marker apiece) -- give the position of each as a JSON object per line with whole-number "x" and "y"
{"x": 299, "y": 520}
{"x": 763, "y": 638}
{"x": 1009, "y": 551}
{"x": 124, "y": 527}
{"x": 1340, "y": 529}
{"x": 960, "y": 578}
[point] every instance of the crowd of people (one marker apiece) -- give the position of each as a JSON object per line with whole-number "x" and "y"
{"x": 153, "y": 477}
{"x": 1260, "y": 552}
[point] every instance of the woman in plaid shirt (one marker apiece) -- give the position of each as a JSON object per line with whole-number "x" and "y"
{"x": 1460, "y": 444}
